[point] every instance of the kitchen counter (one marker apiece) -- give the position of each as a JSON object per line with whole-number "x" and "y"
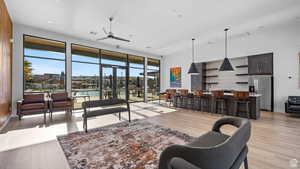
{"x": 254, "y": 105}
{"x": 231, "y": 94}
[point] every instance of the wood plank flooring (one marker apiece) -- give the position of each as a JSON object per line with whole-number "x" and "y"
{"x": 30, "y": 144}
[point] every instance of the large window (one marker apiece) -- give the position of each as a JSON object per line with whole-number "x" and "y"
{"x": 153, "y": 79}
{"x": 113, "y": 74}
{"x": 85, "y": 74}
{"x": 136, "y": 78}
{"x": 44, "y": 65}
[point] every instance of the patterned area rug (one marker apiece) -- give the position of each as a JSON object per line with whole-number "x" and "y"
{"x": 135, "y": 145}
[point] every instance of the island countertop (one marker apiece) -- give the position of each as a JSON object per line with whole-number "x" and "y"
{"x": 231, "y": 94}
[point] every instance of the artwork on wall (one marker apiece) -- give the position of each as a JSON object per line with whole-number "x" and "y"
{"x": 175, "y": 77}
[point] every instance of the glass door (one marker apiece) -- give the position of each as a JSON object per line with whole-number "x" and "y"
{"x": 113, "y": 82}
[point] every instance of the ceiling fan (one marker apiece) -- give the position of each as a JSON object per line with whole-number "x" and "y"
{"x": 110, "y": 35}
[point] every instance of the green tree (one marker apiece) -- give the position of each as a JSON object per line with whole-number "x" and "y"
{"x": 27, "y": 70}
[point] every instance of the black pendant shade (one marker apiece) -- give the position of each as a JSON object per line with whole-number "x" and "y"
{"x": 226, "y": 65}
{"x": 193, "y": 69}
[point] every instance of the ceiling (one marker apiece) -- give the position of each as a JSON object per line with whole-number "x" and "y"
{"x": 155, "y": 26}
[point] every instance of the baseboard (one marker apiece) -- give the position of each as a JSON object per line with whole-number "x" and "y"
{"x": 5, "y": 123}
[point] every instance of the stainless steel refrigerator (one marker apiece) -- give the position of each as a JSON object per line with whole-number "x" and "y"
{"x": 263, "y": 86}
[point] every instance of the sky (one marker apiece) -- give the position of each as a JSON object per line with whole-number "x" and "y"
{"x": 41, "y": 66}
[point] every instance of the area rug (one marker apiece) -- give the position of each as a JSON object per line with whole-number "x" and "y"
{"x": 135, "y": 145}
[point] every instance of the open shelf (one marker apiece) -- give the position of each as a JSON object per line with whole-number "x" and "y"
{"x": 241, "y": 82}
{"x": 242, "y": 74}
{"x": 210, "y": 69}
{"x": 208, "y": 76}
{"x": 241, "y": 66}
{"x": 211, "y": 83}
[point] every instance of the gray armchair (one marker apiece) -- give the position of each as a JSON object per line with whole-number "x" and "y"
{"x": 213, "y": 150}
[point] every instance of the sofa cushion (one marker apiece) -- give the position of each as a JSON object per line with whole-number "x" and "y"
{"x": 62, "y": 104}
{"x": 59, "y": 96}
{"x": 209, "y": 139}
{"x": 32, "y": 106}
{"x": 294, "y": 100}
{"x": 294, "y": 107}
{"x": 33, "y": 98}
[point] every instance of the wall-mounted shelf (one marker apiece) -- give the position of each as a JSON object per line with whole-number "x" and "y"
{"x": 241, "y": 82}
{"x": 209, "y": 83}
{"x": 208, "y": 76}
{"x": 242, "y": 74}
{"x": 210, "y": 69}
{"x": 242, "y": 66}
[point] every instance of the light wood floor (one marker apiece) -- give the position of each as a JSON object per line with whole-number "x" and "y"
{"x": 29, "y": 144}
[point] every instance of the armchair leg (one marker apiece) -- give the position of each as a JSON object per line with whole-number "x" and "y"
{"x": 20, "y": 116}
{"x": 45, "y": 118}
{"x": 246, "y": 163}
{"x": 129, "y": 116}
{"x": 119, "y": 115}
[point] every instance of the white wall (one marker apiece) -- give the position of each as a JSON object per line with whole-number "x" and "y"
{"x": 17, "y": 72}
{"x": 283, "y": 40}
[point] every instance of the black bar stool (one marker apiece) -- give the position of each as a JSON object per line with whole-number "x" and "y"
{"x": 183, "y": 99}
{"x": 197, "y": 99}
{"x": 242, "y": 100}
{"x": 176, "y": 100}
{"x": 190, "y": 101}
{"x": 220, "y": 102}
{"x": 205, "y": 103}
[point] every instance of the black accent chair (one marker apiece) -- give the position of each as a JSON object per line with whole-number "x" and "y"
{"x": 292, "y": 105}
{"x": 213, "y": 150}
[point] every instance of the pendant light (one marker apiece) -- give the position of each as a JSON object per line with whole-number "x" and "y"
{"x": 193, "y": 68}
{"x": 226, "y": 65}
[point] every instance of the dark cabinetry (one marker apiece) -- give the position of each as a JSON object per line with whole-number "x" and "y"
{"x": 260, "y": 64}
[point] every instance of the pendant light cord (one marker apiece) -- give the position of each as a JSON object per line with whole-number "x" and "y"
{"x": 193, "y": 49}
{"x": 226, "y": 42}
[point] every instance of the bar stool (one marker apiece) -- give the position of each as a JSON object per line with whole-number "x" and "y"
{"x": 183, "y": 98}
{"x": 220, "y": 102}
{"x": 205, "y": 103}
{"x": 190, "y": 101}
{"x": 197, "y": 99}
{"x": 242, "y": 98}
{"x": 176, "y": 100}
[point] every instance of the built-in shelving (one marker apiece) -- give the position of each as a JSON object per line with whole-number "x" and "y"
{"x": 208, "y": 76}
{"x": 210, "y": 69}
{"x": 210, "y": 83}
{"x": 241, "y": 82}
{"x": 242, "y": 74}
{"x": 242, "y": 66}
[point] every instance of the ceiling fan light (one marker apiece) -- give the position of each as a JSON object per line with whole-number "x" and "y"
{"x": 193, "y": 69}
{"x": 226, "y": 65}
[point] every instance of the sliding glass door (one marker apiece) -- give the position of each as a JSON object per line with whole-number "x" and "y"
{"x": 113, "y": 82}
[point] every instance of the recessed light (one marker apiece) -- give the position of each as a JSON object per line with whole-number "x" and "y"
{"x": 93, "y": 33}
{"x": 50, "y": 22}
{"x": 261, "y": 27}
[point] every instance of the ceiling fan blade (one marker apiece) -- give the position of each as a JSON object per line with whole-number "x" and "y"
{"x": 104, "y": 31}
{"x": 102, "y": 38}
{"x": 122, "y": 39}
